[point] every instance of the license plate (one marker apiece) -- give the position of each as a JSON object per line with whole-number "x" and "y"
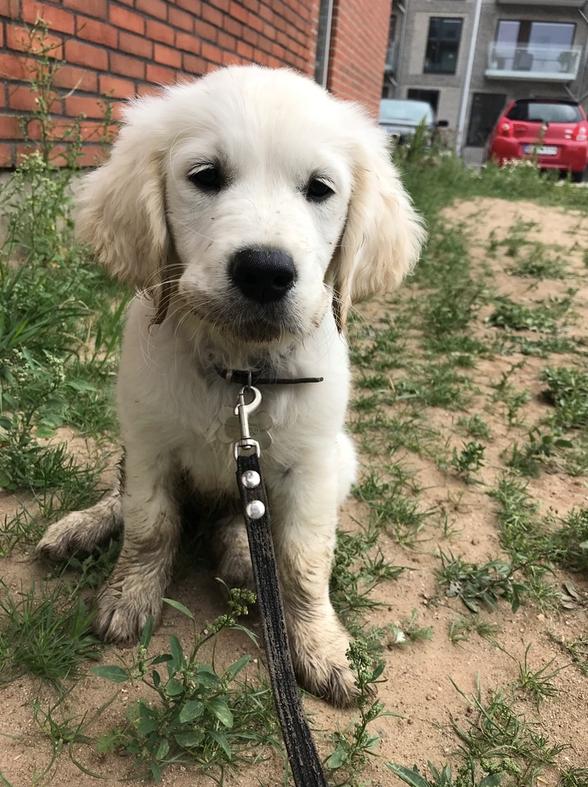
{"x": 542, "y": 150}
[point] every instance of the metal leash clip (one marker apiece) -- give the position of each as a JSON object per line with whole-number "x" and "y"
{"x": 247, "y": 446}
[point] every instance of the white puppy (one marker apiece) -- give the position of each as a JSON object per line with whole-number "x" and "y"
{"x": 264, "y": 208}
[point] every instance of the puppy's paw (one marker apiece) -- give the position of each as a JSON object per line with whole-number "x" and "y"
{"x": 124, "y": 607}
{"x": 77, "y": 532}
{"x": 323, "y": 668}
{"x": 232, "y": 549}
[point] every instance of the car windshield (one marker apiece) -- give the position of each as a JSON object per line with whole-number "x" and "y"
{"x": 547, "y": 112}
{"x": 413, "y": 112}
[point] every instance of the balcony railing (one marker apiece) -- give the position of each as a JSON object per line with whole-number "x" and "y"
{"x": 542, "y": 62}
{"x": 550, "y": 3}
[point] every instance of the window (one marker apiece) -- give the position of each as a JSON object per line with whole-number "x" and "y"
{"x": 545, "y": 112}
{"x": 524, "y": 33}
{"x": 442, "y": 45}
{"x": 485, "y": 111}
{"x": 430, "y": 96}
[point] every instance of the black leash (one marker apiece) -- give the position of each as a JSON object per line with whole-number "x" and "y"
{"x": 302, "y": 754}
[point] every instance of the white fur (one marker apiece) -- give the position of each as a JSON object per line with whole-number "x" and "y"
{"x": 273, "y": 130}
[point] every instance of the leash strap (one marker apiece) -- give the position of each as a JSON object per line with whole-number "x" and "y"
{"x": 302, "y": 754}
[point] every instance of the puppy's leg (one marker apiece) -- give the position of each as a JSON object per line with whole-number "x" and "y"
{"x": 151, "y": 533}
{"x": 231, "y": 549}
{"x": 304, "y": 514}
{"x": 82, "y": 531}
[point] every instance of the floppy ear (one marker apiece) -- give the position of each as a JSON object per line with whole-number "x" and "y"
{"x": 120, "y": 206}
{"x": 383, "y": 233}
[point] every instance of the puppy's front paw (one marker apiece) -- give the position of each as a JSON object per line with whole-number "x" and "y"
{"x": 323, "y": 668}
{"x": 124, "y": 607}
{"x": 231, "y": 546}
{"x": 80, "y": 531}
{"x": 77, "y": 532}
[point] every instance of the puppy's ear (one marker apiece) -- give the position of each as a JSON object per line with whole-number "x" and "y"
{"x": 120, "y": 206}
{"x": 383, "y": 234}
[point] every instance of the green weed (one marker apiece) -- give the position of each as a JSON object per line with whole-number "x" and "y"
{"x": 353, "y": 747}
{"x": 567, "y": 391}
{"x": 504, "y": 742}
{"x": 481, "y": 585}
{"x": 359, "y": 567}
{"x": 46, "y": 633}
{"x": 468, "y": 459}
{"x": 475, "y": 426}
{"x": 408, "y": 630}
{"x": 543, "y": 316}
{"x": 216, "y": 720}
{"x": 461, "y": 628}
{"x": 537, "y": 684}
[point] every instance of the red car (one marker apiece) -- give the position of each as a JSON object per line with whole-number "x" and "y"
{"x": 554, "y": 131}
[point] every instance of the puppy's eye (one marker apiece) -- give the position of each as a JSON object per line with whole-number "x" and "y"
{"x": 317, "y": 190}
{"x": 208, "y": 177}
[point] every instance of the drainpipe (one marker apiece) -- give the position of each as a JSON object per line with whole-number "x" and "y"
{"x": 401, "y": 37}
{"x": 323, "y": 78}
{"x": 582, "y": 71}
{"x": 465, "y": 93}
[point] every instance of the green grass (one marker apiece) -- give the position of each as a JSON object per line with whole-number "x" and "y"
{"x": 538, "y": 683}
{"x": 359, "y": 567}
{"x": 45, "y": 632}
{"x": 475, "y": 426}
{"x": 567, "y": 391}
{"x": 462, "y": 628}
{"x": 538, "y": 263}
{"x": 543, "y": 316}
{"x": 533, "y": 541}
{"x": 497, "y": 746}
{"x": 393, "y": 510}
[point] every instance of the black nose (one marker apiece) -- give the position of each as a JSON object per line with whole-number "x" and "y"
{"x": 262, "y": 274}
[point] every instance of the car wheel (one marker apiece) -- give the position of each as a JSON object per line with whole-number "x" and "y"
{"x": 577, "y": 177}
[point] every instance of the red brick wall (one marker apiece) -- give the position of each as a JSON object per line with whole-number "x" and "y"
{"x": 358, "y": 50}
{"x": 125, "y": 47}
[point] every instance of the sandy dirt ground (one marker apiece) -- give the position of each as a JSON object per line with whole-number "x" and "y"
{"x": 418, "y": 690}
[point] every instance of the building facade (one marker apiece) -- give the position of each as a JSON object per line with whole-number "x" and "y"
{"x": 119, "y": 48}
{"x": 508, "y": 48}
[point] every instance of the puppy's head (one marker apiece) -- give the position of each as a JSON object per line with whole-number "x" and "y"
{"x": 258, "y": 196}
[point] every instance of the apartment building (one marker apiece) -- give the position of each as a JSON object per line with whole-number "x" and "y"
{"x": 467, "y": 58}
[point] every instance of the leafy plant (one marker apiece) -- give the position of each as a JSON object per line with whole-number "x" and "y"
{"x": 200, "y": 715}
{"x": 481, "y": 585}
{"x": 468, "y": 459}
{"x": 354, "y": 746}
{"x": 567, "y": 391}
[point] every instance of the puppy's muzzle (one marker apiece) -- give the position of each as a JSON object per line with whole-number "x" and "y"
{"x": 262, "y": 274}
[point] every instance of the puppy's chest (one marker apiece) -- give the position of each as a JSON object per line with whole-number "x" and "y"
{"x": 206, "y": 450}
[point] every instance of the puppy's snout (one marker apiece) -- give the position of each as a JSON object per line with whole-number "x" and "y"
{"x": 262, "y": 274}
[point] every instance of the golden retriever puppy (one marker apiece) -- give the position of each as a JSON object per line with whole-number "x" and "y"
{"x": 250, "y": 208}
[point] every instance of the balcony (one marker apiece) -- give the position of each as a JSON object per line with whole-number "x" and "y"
{"x": 550, "y": 3}
{"x": 539, "y": 62}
